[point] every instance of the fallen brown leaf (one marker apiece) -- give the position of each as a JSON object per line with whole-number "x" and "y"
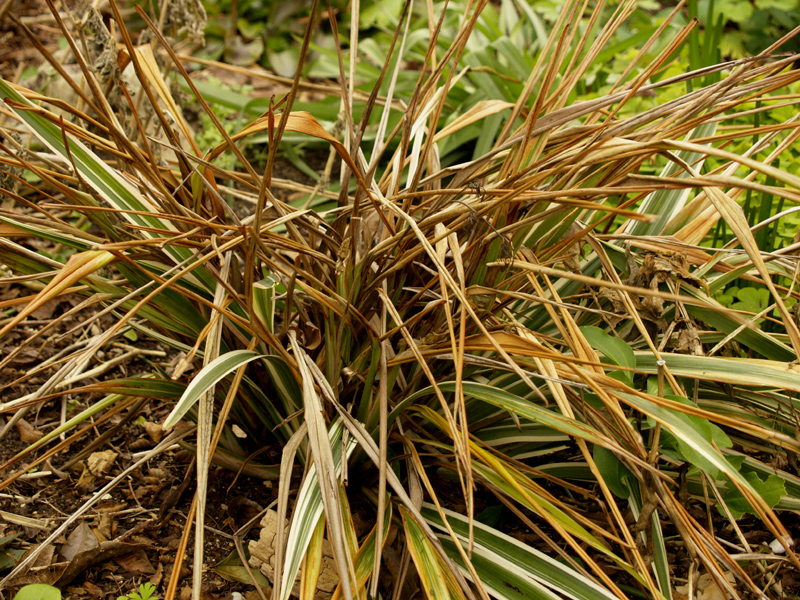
{"x": 100, "y": 463}
{"x": 136, "y": 562}
{"x": 84, "y": 560}
{"x": 86, "y": 482}
{"x": 80, "y": 540}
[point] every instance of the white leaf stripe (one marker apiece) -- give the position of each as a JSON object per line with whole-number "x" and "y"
{"x": 513, "y": 556}
{"x": 207, "y": 377}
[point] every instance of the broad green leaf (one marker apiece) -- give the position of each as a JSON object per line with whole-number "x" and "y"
{"x": 206, "y": 378}
{"x": 632, "y": 41}
{"x": 38, "y": 591}
{"x": 9, "y": 556}
{"x": 613, "y": 348}
{"x": 772, "y": 490}
{"x": 705, "y": 452}
{"x": 8, "y": 538}
{"x": 577, "y": 471}
{"x": 614, "y": 473}
{"x": 705, "y": 429}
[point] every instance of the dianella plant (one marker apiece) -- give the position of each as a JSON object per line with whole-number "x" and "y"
{"x": 495, "y": 320}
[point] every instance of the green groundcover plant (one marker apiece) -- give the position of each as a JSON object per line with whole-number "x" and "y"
{"x": 505, "y": 303}
{"x": 38, "y": 591}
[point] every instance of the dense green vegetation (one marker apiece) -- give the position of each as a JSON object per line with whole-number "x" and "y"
{"x": 546, "y": 281}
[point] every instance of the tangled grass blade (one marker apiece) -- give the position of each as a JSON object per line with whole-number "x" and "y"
{"x": 562, "y": 289}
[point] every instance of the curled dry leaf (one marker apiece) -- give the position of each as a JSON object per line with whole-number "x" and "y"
{"x": 27, "y": 432}
{"x": 135, "y": 562}
{"x": 81, "y": 551}
{"x": 100, "y": 463}
{"x": 707, "y": 588}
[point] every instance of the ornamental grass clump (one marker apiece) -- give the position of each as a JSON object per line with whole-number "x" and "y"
{"x": 529, "y": 331}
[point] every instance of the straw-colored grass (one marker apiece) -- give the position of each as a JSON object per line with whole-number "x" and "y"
{"x": 463, "y": 324}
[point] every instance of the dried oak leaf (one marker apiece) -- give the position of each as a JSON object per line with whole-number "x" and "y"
{"x": 100, "y": 463}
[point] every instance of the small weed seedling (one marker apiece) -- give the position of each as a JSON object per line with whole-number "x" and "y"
{"x": 146, "y": 592}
